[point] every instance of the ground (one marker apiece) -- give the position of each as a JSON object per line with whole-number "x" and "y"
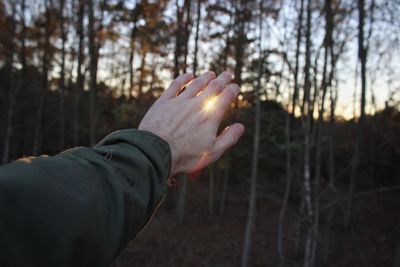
{"x": 211, "y": 240}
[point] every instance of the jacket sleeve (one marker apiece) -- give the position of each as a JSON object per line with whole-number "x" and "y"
{"x": 82, "y": 206}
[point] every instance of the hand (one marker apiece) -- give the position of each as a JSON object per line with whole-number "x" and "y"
{"x": 189, "y": 121}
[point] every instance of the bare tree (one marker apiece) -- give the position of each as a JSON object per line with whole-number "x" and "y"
{"x": 288, "y": 136}
{"x": 251, "y": 217}
{"x": 196, "y": 37}
{"x": 93, "y": 71}
{"x": 62, "y": 74}
{"x": 135, "y": 13}
{"x": 37, "y": 145}
{"x": 306, "y": 112}
{"x": 362, "y": 57}
{"x": 181, "y": 40}
{"x": 94, "y": 47}
{"x": 80, "y": 80}
{"x": 12, "y": 90}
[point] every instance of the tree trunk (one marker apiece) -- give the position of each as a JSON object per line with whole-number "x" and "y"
{"x": 11, "y": 91}
{"x": 135, "y": 16}
{"x": 187, "y": 7}
{"x": 178, "y": 49}
{"x": 239, "y": 47}
{"x": 362, "y": 56}
{"x": 319, "y": 132}
{"x": 62, "y": 76}
{"x": 196, "y": 38}
{"x": 224, "y": 189}
{"x": 288, "y": 137}
{"x": 37, "y": 146}
{"x": 80, "y": 77}
{"x": 307, "y": 145}
{"x": 142, "y": 74}
{"x": 211, "y": 189}
{"x": 93, "y": 73}
{"x": 251, "y": 217}
{"x": 331, "y": 140}
{"x": 182, "y": 199}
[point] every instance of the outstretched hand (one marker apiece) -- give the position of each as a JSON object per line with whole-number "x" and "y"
{"x": 189, "y": 120}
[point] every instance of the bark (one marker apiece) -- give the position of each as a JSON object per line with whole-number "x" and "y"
{"x": 362, "y": 57}
{"x": 307, "y": 145}
{"x": 224, "y": 190}
{"x": 94, "y": 46}
{"x": 12, "y": 94}
{"x": 251, "y": 217}
{"x": 178, "y": 39}
{"x": 37, "y": 145}
{"x": 196, "y": 38}
{"x": 62, "y": 76}
{"x": 296, "y": 71}
{"x": 187, "y": 7}
{"x": 329, "y": 19}
{"x": 93, "y": 72}
{"x": 182, "y": 198}
{"x": 142, "y": 74}
{"x": 211, "y": 190}
{"x": 185, "y": 40}
{"x": 239, "y": 48}
{"x": 135, "y": 16}
{"x": 331, "y": 140}
{"x": 80, "y": 77}
{"x": 288, "y": 137}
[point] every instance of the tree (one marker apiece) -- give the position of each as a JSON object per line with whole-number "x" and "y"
{"x": 80, "y": 80}
{"x": 306, "y": 113}
{"x": 362, "y": 57}
{"x": 62, "y": 74}
{"x": 12, "y": 89}
{"x": 288, "y": 135}
{"x": 196, "y": 38}
{"x": 135, "y": 14}
{"x": 94, "y": 47}
{"x": 47, "y": 54}
{"x": 251, "y": 217}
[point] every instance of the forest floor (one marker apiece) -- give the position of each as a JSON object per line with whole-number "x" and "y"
{"x": 211, "y": 240}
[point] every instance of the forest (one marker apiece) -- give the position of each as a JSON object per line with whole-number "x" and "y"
{"x": 314, "y": 181}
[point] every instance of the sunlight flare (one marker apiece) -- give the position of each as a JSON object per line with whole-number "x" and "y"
{"x": 210, "y": 103}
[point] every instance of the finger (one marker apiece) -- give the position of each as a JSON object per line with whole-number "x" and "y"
{"x": 217, "y": 85}
{"x": 177, "y": 85}
{"x": 225, "y": 99}
{"x": 198, "y": 84}
{"x": 229, "y": 136}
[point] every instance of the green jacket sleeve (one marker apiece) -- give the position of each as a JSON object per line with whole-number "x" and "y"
{"x": 82, "y": 206}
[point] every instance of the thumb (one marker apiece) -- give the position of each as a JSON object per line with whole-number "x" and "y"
{"x": 229, "y": 136}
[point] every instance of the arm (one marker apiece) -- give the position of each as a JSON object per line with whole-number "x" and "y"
{"x": 81, "y": 207}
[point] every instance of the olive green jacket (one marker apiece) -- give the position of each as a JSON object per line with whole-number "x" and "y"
{"x": 82, "y": 206}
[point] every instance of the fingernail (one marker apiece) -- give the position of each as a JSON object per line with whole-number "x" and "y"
{"x": 236, "y": 89}
{"x": 229, "y": 74}
{"x": 240, "y": 129}
{"x": 212, "y": 73}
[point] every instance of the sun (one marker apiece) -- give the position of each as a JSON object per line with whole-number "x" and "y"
{"x": 210, "y": 103}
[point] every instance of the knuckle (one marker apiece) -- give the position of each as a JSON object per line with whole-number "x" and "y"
{"x": 227, "y": 75}
{"x": 197, "y": 82}
{"x": 211, "y": 74}
{"x": 175, "y": 83}
{"x": 215, "y": 84}
{"x": 229, "y": 96}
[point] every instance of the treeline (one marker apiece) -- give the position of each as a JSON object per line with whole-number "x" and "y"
{"x": 72, "y": 71}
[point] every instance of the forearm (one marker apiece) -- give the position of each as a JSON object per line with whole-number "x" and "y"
{"x": 81, "y": 207}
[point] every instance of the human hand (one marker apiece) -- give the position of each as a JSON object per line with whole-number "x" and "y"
{"x": 189, "y": 121}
